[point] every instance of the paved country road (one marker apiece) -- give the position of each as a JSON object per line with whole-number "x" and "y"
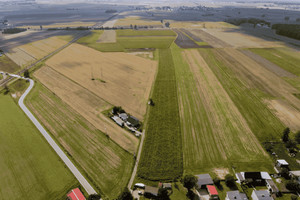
{"x": 85, "y": 184}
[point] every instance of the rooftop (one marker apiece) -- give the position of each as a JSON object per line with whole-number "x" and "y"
{"x": 204, "y": 179}
{"x": 282, "y": 162}
{"x": 76, "y": 194}
{"x": 212, "y": 190}
{"x": 262, "y": 194}
{"x": 236, "y": 195}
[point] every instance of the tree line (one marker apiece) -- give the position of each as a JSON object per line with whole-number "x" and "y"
{"x": 288, "y": 30}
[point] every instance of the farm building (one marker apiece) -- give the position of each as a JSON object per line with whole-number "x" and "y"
{"x": 118, "y": 120}
{"x": 212, "y": 191}
{"x": 151, "y": 191}
{"x": 282, "y": 163}
{"x": 261, "y": 195}
{"x": 235, "y": 195}
{"x": 75, "y": 194}
{"x": 272, "y": 186}
{"x": 123, "y": 116}
{"x": 132, "y": 121}
{"x": 203, "y": 180}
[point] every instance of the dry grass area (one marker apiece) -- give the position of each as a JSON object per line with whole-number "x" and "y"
{"x": 240, "y": 40}
{"x": 135, "y": 20}
{"x": 257, "y": 76}
{"x": 108, "y": 36}
{"x": 221, "y": 172}
{"x": 119, "y": 78}
{"x": 28, "y": 53}
{"x": 87, "y": 105}
{"x": 215, "y": 133}
{"x": 208, "y": 25}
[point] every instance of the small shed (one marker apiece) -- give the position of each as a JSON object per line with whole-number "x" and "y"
{"x": 281, "y": 163}
{"x": 235, "y": 195}
{"x": 203, "y": 180}
{"x": 212, "y": 191}
{"x": 75, "y": 194}
{"x": 151, "y": 191}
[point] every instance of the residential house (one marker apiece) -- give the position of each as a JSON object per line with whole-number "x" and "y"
{"x": 235, "y": 195}
{"x": 204, "y": 180}
{"x": 75, "y": 194}
{"x": 261, "y": 195}
{"x": 150, "y": 192}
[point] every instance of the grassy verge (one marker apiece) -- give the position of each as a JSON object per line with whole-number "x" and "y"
{"x": 7, "y": 65}
{"x": 265, "y": 125}
{"x": 162, "y": 152}
{"x": 103, "y": 162}
{"x": 30, "y": 169}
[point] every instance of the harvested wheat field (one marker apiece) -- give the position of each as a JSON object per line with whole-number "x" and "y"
{"x": 28, "y": 53}
{"x": 135, "y": 20}
{"x": 215, "y": 134}
{"x": 118, "y": 78}
{"x": 87, "y": 105}
{"x": 208, "y": 25}
{"x": 108, "y": 36}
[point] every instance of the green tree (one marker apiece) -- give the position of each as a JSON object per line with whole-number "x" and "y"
{"x": 285, "y": 135}
{"x": 125, "y": 195}
{"x": 6, "y": 89}
{"x": 290, "y": 144}
{"x": 26, "y": 73}
{"x": 229, "y": 180}
{"x": 284, "y": 172}
{"x": 94, "y": 197}
{"x": 163, "y": 194}
{"x": 217, "y": 181}
{"x": 297, "y": 137}
{"x": 292, "y": 185}
{"x": 294, "y": 197}
{"x": 189, "y": 181}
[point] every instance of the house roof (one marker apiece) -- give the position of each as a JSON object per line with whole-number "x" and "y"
{"x": 295, "y": 173}
{"x": 76, "y": 194}
{"x": 212, "y": 190}
{"x": 262, "y": 194}
{"x": 252, "y": 175}
{"x": 272, "y": 185}
{"x": 236, "y": 195}
{"x": 167, "y": 185}
{"x": 265, "y": 175}
{"x": 282, "y": 162}
{"x": 134, "y": 121}
{"x": 123, "y": 116}
{"x": 118, "y": 120}
{"x": 204, "y": 179}
{"x": 151, "y": 190}
{"x": 240, "y": 176}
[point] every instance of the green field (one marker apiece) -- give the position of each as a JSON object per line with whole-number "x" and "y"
{"x": 162, "y": 152}
{"x": 130, "y": 32}
{"x": 30, "y": 169}
{"x": 214, "y": 133}
{"x": 265, "y": 125}
{"x": 154, "y": 39}
{"x": 281, "y": 57}
{"x": 106, "y": 165}
{"x": 7, "y": 65}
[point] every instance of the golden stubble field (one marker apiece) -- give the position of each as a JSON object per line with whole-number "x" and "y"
{"x": 87, "y": 105}
{"x": 26, "y": 54}
{"x": 118, "y": 78}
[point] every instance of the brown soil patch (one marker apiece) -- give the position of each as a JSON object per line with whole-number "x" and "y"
{"x": 221, "y": 172}
{"x": 119, "y": 78}
{"x": 211, "y": 40}
{"x": 184, "y": 41}
{"x": 87, "y": 104}
{"x": 108, "y": 36}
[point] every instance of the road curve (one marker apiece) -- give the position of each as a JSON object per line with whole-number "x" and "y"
{"x": 85, "y": 184}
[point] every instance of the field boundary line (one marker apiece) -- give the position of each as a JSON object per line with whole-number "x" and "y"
{"x": 89, "y": 189}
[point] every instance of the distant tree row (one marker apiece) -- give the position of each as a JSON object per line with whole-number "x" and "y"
{"x": 254, "y": 21}
{"x": 13, "y": 30}
{"x": 288, "y": 30}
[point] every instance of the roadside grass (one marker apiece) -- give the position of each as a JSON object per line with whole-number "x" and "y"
{"x": 106, "y": 165}
{"x": 131, "y": 32}
{"x": 7, "y": 65}
{"x": 281, "y": 58}
{"x": 19, "y": 85}
{"x": 205, "y": 147}
{"x": 124, "y": 43}
{"x": 161, "y": 158}
{"x": 30, "y": 169}
{"x": 250, "y": 102}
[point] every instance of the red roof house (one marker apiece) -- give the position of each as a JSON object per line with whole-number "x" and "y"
{"x": 76, "y": 194}
{"x": 212, "y": 190}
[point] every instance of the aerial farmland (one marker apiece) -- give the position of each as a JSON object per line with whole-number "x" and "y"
{"x": 178, "y": 101}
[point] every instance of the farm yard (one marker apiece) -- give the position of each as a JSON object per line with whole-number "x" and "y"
{"x": 27, "y": 162}
{"x": 101, "y": 160}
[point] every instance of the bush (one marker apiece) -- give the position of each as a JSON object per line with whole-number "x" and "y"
{"x": 285, "y": 135}
{"x": 94, "y": 197}
{"x": 229, "y": 180}
{"x": 217, "y": 181}
{"x": 294, "y": 197}
{"x": 284, "y": 173}
{"x": 125, "y": 195}
{"x": 292, "y": 186}
{"x": 189, "y": 181}
{"x": 297, "y": 137}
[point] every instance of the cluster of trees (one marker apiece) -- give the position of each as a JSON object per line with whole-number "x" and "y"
{"x": 290, "y": 143}
{"x": 13, "y": 30}
{"x": 118, "y": 109}
{"x": 254, "y": 21}
{"x": 288, "y": 30}
{"x": 111, "y": 11}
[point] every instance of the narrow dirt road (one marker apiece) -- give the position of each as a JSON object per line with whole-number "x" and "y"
{"x": 85, "y": 184}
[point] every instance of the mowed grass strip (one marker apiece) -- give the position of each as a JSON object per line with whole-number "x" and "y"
{"x": 159, "y": 40}
{"x": 7, "y": 65}
{"x": 162, "y": 151}
{"x": 215, "y": 135}
{"x": 250, "y": 101}
{"x": 30, "y": 169}
{"x": 106, "y": 165}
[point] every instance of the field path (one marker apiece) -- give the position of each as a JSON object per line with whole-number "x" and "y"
{"x": 89, "y": 189}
